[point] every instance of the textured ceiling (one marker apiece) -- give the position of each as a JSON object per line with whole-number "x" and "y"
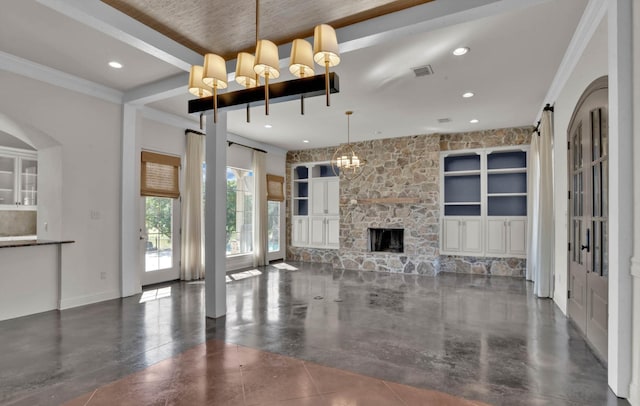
{"x": 225, "y": 27}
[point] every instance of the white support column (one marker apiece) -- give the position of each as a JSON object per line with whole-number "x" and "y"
{"x": 620, "y": 195}
{"x": 634, "y": 389}
{"x": 129, "y": 206}
{"x": 216, "y": 217}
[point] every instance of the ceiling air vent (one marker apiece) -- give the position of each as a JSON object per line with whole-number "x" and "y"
{"x": 423, "y": 70}
{"x": 444, "y": 120}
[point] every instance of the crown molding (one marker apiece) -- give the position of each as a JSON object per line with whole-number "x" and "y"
{"x": 593, "y": 15}
{"x": 33, "y": 70}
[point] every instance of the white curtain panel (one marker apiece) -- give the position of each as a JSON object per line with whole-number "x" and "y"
{"x": 543, "y": 273}
{"x": 260, "y": 212}
{"x": 533, "y": 199}
{"x": 192, "y": 265}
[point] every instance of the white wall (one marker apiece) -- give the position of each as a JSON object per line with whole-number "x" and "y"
{"x": 30, "y": 284}
{"x": 89, "y": 133}
{"x": 592, "y": 65}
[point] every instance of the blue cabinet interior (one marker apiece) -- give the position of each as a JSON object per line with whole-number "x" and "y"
{"x": 462, "y": 210}
{"x": 303, "y": 207}
{"x": 462, "y": 189}
{"x": 462, "y": 163}
{"x": 507, "y": 206}
{"x": 302, "y": 172}
{"x": 504, "y": 160}
{"x": 466, "y": 188}
{"x": 303, "y": 189}
{"x": 507, "y": 183}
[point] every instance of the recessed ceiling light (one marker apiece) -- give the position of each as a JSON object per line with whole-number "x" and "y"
{"x": 460, "y": 51}
{"x": 115, "y": 64}
{"x": 305, "y": 141}
{"x": 475, "y": 120}
{"x": 268, "y": 126}
{"x": 467, "y": 95}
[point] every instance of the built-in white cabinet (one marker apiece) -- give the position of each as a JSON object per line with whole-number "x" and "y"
{"x": 300, "y": 231}
{"x": 324, "y": 192}
{"x": 325, "y": 232}
{"x": 333, "y": 232}
{"x": 462, "y": 234}
{"x": 484, "y": 202}
{"x": 316, "y": 206}
{"x": 506, "y": 237}
{"x": 18, "y": 179}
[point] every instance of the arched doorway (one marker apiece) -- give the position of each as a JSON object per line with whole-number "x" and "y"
{"x": 588, "y": 170}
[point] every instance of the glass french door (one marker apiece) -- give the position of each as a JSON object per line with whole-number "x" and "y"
{"x": 159, "y": 235}
{"x": 275, "y": 225}
{"x": 588, "y": 226}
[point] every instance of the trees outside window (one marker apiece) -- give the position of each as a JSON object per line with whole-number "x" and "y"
{"x": 239, "y": 225}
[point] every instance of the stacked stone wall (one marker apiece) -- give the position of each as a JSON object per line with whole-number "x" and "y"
{"x": 400, "y": 189}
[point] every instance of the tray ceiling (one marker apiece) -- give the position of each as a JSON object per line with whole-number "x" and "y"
{"x": 226, "y": 27}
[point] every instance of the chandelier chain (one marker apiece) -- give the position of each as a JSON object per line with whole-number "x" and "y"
{"x": 257, "y": 18}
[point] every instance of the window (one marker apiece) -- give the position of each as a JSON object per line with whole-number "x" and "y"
{"x": 239, "y": 211}
{"x": 273, "y": 225}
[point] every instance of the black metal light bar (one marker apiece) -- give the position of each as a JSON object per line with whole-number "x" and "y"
{"x": 278, "y": 92}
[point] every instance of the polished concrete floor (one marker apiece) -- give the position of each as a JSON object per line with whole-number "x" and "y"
{"x": 481, "y": 338}
{"x": 222, "y": 374}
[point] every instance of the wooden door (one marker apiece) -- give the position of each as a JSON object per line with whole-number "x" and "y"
{"x": 588, "y": 215}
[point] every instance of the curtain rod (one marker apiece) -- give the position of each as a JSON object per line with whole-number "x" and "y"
{"x": 188, "y": 130}
{"x": 230, "y": 143}
{"x": 548, "y": 107}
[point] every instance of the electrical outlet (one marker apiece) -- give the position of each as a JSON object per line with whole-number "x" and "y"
{"x": 103, "y": 275}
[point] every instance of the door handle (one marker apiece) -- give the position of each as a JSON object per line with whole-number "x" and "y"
{"x": 587, "y": 247}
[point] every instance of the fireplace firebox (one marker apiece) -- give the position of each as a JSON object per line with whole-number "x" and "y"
{"x": 386, "y": 239}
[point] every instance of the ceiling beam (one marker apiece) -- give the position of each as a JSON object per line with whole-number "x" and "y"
{"x": 112, "y": 22}
{"x": 168, "y": 118}
{"x": 162, "y": 89}
{"x": 36, "y": 71}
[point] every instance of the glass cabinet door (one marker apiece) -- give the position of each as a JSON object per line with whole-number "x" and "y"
{"x": 28, "y": 182}
{"x": 7, "y": 180}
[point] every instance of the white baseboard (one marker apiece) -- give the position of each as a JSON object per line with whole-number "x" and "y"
{"x": 69, "y": 303}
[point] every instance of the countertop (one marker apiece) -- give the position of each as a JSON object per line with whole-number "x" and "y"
{"x": 31, "y": 243}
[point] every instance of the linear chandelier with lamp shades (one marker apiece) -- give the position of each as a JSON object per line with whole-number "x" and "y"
{"x": 205, "y": 80}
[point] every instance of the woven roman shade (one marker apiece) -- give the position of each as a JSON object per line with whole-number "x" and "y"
{"x": 275, "y": 190}
{"x": 159, "y": 175}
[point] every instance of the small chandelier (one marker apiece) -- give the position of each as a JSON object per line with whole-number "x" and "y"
{"x": 205, "y": 80}
{"x": 345, "y": 161}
